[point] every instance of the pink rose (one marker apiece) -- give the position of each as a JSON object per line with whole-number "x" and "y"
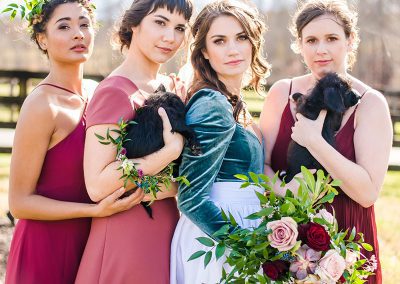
{"x": 284, "y": 233}
{"x": 306, "y": 262}
{"x": 324, "y": 214}
{"x": 351, "y": 258}
{"x": 331, "y": 267}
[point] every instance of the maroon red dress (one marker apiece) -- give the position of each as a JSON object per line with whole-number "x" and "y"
{"x": 49, "y": 252}
{"x": 128, "y": 247}
{"x": 348, "y": 213}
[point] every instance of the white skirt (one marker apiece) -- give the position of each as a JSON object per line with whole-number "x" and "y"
{"x": 240, "y": 202}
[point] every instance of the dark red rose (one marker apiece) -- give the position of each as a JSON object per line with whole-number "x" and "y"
{"x": 342, "y": 279}
{"x": 275, "y": 269}
{"x": 302, "y": 229}
{"x": 315, "y": 236}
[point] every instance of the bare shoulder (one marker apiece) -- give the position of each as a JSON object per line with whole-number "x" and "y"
{"x": 373, "y": 100}
{"x": 279, "y": 91}
{"x": 39, "y": 106}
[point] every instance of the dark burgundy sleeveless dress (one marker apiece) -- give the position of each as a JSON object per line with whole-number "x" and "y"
{"x": 49, "y": 252}
{"x": 348, "y": 213}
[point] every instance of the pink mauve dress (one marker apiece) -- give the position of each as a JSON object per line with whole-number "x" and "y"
{"x": 128, "y": 247}
{"x": 349, "y": 213}
{"x": 49, "y": 252}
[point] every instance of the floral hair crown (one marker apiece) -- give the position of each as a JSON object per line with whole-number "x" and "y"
{"x": 30, "y": 10}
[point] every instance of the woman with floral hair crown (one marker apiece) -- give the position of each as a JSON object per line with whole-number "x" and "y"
{"x": 327, "y": 38}
{"x": 47, "y": 189}
{"x": 229, "y": 140}
{"x": 133, "y": 247}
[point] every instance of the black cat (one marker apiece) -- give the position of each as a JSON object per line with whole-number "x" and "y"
{"x": 146, "y": 136}
{"x": 332, "y": 93}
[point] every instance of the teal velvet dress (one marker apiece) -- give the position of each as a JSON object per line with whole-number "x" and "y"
{"x": 227, "y": 149}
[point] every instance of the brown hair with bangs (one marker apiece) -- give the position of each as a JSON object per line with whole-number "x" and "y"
{"x": 141, "y": 8}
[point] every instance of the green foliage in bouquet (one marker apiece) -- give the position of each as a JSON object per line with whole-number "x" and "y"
{"x": 297, "y": 240}
{"x": 149, "y": 184}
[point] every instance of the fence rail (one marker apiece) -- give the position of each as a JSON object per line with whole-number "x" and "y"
{"x": 19, "y": 83}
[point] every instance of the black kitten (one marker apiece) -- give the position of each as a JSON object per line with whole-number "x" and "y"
{"x": 146, "y": 136}
{"x": 332, "y": 93}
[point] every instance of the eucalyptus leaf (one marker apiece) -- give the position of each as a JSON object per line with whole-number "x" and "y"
{"x": 197, "y": 254}
{"x": 254, "y": 177}
{"x": 206, "y": 241}
{"x": 219, "y": 251}
{"x": 207, "y": 258}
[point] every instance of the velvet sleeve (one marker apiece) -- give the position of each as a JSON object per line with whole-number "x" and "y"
{"x": 108, "y": 105}
{"x": 210, "y": 115}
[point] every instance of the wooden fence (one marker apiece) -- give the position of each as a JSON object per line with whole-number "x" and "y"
{"x": 18, "y": 83}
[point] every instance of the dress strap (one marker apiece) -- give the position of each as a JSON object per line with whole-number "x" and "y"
{"x": 56, "y": 86}
{"x": 290, "y": 89}
{"x": 85, "y": 100}
{"x": 366, "y": 91}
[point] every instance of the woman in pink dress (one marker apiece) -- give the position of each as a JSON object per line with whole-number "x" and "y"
{"x": 131, "y": 247}
{"x": 326, "y": 36}
{"x": 47, "y": 190}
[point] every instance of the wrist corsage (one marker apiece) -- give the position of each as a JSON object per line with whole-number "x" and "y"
{"x": 130, "y": 173}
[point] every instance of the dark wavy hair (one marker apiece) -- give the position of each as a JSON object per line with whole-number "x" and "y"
{"x": 204, "y": 75}
{"x": 39, "y": 22}
{"x": 141, "y": 8}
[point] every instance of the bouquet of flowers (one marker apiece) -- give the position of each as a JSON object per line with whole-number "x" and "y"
{"x": 297, "y": 240}
{"x": 149, "y": 184}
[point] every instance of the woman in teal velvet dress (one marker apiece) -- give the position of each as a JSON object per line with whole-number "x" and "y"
{"x": 229, "y": 142}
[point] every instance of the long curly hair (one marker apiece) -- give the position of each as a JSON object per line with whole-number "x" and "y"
{"x": 204, "y": 75}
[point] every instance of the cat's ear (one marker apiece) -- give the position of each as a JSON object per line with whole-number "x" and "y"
{"x": 160, "y": 89}
{"x": 351, "y": 98}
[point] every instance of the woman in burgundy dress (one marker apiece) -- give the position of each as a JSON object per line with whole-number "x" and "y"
{"x": 326, "y": 36}
{"x": 131, "y": 247}
{"x": 47, "y": 189}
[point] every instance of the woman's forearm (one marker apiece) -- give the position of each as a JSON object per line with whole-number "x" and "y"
{"x": 356, "y": 182}
{"x": 37, "y": 207}
{"x": 154, "y": 163}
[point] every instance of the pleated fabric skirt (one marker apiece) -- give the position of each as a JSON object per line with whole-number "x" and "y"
{"x": 240, "y": 202}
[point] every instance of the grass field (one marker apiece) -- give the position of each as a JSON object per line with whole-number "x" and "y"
{"x": 387, "y": 214}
